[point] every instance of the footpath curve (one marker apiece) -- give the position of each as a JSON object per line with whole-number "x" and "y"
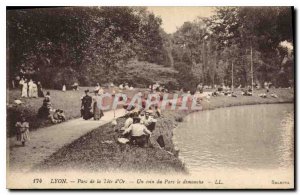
{"x": 45, "y": 141}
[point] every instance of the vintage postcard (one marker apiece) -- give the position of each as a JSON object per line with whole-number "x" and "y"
{"x": 150, "y": 97}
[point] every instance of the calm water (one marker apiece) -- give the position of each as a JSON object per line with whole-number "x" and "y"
{"x": 245, "y": 138}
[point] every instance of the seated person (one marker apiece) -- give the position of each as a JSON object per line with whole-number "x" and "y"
{"x": 148, "y": 121}
{"x": 44, "y": 110}
{"x": 139, "y": 134}
{"x": 247, "y": 93}
{"x": 75, "y": 86}
{"x": 61, "y": 115}
{"x": 233, "y": 95}
{"x": 263, "y": 95}
{"x": 128, "y": 122}
{"x": 53, "y": 116}
{"x": 274, "y": 95}
{"x": 157, "y": 111}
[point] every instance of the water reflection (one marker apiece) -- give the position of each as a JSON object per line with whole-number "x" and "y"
{"x": 248, "y": 137}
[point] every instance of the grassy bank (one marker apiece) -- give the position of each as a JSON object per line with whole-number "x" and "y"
{"x": 98, "y": 150}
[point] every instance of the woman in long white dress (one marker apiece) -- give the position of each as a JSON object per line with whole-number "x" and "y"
{"x": 24, "y": 89}
{"x": 30, "y": 88}
{"x": 34, "y": 90}
{"x": 21, "y": 83}
{"x": 64, "y": 88}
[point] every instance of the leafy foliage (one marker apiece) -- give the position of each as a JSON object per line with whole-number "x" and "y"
{"x": 87, "y": 44}
{"x": 97, "y": 44}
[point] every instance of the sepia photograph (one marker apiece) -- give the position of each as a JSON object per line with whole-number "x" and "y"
{"x": 145, "y": 97}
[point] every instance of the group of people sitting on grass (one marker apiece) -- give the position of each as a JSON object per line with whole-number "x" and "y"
{"x": 158, "y": 87}
{"x": 74, "y": 87}
{"x": 125, "y": 86}
{"x": 46, "y": 111}
{"x": 139, "y": 126}
{"x": 226, "y": 91}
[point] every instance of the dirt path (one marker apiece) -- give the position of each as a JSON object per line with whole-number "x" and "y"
{"x": 45, "y": 141}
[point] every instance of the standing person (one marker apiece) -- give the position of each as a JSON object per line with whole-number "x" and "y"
{"x": 64, "y": 88}
{"x": 24, "y": 89}
{"x": 40, "y": 89}
{"x": 101, "y": 91}
{"x": 96, "y": 90}
{"x": 34, "y": 90}
{"x": 97, "y": 112}
{"x": 21, "y": 83}
{"x": 86, "y": 106}
{"x": 30, "y": 86}
{"x": 22, "y": 130}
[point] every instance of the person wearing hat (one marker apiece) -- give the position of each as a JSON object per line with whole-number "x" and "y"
{"x": 148, "y": 120}
{"x": 128, "y": 122}
{"x": 44, "y": 110}
{"x": 22, "y": 130}
{"x": 86, "y": 106}
{"x": 139, "y": 134}
{"x": 97, "y": 112}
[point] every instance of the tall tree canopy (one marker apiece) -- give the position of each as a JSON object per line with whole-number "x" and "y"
{"x": 85, "y": 44}
{"x": 95, "y": 44}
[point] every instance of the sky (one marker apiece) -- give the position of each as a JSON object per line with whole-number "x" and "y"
{"x": 174, "y": 17}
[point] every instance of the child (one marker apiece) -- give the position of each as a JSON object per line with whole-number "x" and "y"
{"x": 22, "y": 130}
{"x": 61, "y": 115}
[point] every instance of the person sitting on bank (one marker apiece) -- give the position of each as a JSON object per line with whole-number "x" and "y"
{"x": 148, "y": 120}
{"x": 61, "y": 115}
{"x": 128, "y": 122}
{"x": 75, "y": 86}
{"x": 53, "y": 116}
{"x": 157, "y": 111}
{"x": 139, "y": 134}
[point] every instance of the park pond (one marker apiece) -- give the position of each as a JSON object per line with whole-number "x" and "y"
{"x": 243, "y": 138}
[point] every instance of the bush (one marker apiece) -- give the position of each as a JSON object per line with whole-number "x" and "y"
{"x": 13, "y": 116}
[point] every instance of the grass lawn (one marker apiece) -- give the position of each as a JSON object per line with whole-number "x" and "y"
{"x": 68, "y": 101}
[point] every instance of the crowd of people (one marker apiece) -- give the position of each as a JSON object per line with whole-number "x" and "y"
{"x": 140, "y": 122}
{"x": 31, "y": 89}
{"x": 139, "y": 127}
